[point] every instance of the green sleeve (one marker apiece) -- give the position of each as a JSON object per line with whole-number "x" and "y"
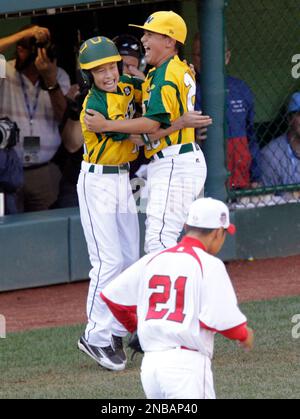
{"x": 156, "y": 110}
{"x": 134, "y": 81}
{"x": 137, "y": 83}
{"x": 117, "y": 136}
{"x": 97, "y": 101}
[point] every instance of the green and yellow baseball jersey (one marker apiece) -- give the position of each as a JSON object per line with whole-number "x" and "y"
{"x": 168, "y": 92}
{"x": 111, "y": 148}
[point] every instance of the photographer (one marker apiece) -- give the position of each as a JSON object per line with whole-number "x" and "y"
{"x": 33, "y": 96}
{"x": 72, "y": 150}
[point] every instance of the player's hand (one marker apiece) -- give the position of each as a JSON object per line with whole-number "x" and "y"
{"x": 135, "y": 345}
{"x": 201, "y": 134}
{"x": 135, "y": 72}
{"x": 46, "y": 68}
{"x": 248, "y": 344}
{"x": 195, "y": 119}
{"x": 94, "y": 121}
{"x": 136, "y": 139}
{"x": 192, "y": 67}
{"x": 73, "y": 92}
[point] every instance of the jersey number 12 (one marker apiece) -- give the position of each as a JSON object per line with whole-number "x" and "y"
{"x": 164, "y": 296}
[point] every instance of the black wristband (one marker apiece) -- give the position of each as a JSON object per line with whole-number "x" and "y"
{"x": 53, "y": 88}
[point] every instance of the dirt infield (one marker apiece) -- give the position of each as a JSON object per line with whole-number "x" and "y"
{"x": 65, "y": 304}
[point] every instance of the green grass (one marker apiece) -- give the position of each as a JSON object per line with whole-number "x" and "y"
{"x": 46, "y": 363}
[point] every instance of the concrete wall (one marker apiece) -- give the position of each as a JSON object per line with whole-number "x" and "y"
{"x": 42, "y": 249}
{"x": 49, "y": 247}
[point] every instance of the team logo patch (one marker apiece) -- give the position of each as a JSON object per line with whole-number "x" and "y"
{"x": 127, "y": 91}
{"x": 223, "y": 218}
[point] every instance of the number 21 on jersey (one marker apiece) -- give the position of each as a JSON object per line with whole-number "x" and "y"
{"x": 176, "y": 314}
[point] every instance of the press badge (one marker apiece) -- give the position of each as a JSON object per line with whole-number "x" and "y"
{"x": 32, "y": 146}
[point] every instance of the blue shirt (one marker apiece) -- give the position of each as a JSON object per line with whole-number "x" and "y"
{"x": 240, "y": 115}
{"x": 280, "y": 165}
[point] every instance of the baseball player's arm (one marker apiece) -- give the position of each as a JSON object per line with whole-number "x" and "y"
{"x": 163, "y": 104}
{"x": 193, "y": 119}
{"x": 96, "y": 122}
{"x": 96, "y": 105}
{"x": 121, "y": 295}
{"x": 241, "y": 333}
{"x": 220, "y": 312}
{"x": 126, "y": 315}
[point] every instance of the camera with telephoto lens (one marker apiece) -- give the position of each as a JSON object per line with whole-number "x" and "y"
{"x": 32, "y": 45}
{"x": 48, "y": 46}
{"x": 9, "y": 133}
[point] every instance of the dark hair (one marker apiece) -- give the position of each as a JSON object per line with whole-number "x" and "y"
{"x": 179, "y": 46}
{"x": 202, "y": 231}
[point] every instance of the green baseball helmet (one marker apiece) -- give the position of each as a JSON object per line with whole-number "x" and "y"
{"x": 98, "y": 51}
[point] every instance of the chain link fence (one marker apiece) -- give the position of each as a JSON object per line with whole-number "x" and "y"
{"x": 263, "y": 102}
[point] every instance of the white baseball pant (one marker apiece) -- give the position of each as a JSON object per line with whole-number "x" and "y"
{"x": 110, "y": 223}
{"x": 177, "y": 374}
{"x": 174, "y": 182}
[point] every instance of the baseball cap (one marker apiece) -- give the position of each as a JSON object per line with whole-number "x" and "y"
{"x": 211, "y": 214}
{"x": 166, "y": 23}
{"x": 294, "y": 105}
{"x": 98, "y": 51}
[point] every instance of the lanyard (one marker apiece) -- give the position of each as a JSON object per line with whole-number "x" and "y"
{"x": 31, "y": 111}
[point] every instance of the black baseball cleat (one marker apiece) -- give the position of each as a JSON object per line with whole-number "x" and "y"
{"x": 117, "y": 344}
{"x": 106, "y": 357}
